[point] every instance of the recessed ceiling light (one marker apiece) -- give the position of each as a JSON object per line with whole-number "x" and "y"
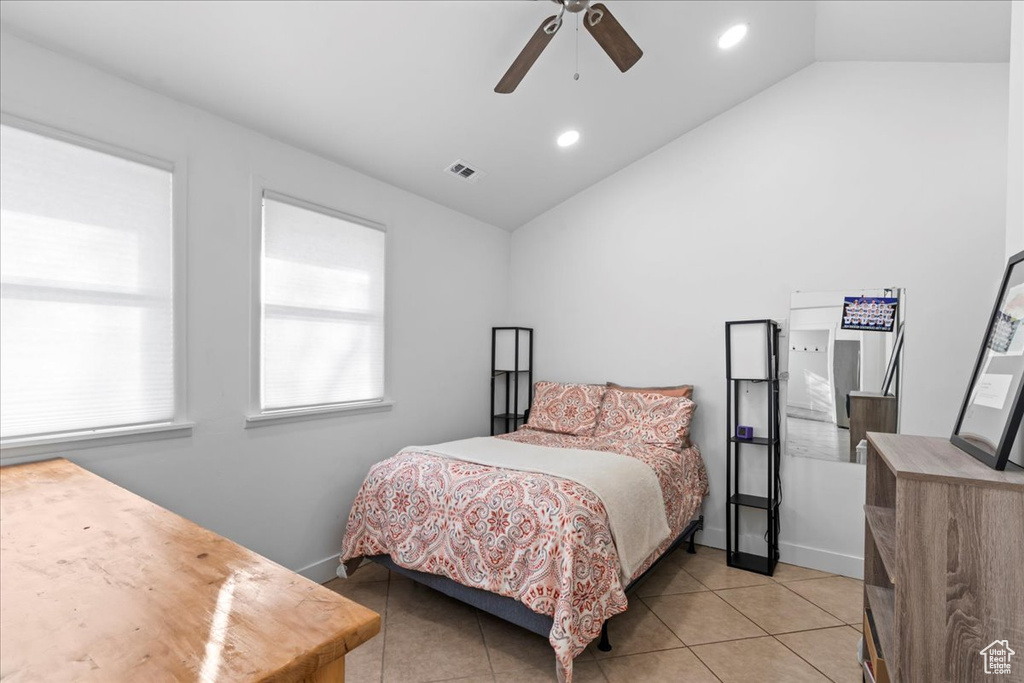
{"x": 568, "y": 138}
{"x": 733, "y": 36}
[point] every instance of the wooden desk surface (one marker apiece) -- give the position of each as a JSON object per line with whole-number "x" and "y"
{"x": 99, "y": 584}
{"x": 931, "y": 458}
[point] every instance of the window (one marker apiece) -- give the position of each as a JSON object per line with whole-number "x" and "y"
{"x": 87, "y": 340}
{"x": 321, "y": 308}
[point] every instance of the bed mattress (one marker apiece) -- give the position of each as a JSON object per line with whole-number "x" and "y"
{"x": 539, "y": 539}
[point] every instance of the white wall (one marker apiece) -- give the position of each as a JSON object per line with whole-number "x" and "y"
{"x": 844, "y": 175}
{"x": 1015, "y": 142}
{"x": 283, "y": 490}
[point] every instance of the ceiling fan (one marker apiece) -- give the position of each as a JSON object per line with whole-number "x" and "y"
{"x": 607, "y": 31}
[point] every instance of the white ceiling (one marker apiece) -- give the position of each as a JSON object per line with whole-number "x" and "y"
{"x": 914, "y": 31}
{"x": 399, "y": 90}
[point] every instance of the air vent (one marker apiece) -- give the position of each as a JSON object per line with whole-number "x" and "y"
{"x": 462, "y": 169}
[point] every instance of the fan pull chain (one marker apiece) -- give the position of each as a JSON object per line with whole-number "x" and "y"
{"x": 576, "y": 76}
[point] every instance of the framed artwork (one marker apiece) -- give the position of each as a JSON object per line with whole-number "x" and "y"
{"x": 990, "y": 416}
{"x": 869, "y": 313}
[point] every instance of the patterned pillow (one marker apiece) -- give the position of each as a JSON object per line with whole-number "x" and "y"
{"x": 565, "y": 408}
{"x": 646, "y": 418}
{"x": 684, "y": 390}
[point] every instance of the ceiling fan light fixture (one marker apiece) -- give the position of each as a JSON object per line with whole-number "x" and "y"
{"x": 733, "y": 36}
{"x": 568, "y": 138}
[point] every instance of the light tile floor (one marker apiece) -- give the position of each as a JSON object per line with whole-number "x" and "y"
{"x": 693, "y": 620}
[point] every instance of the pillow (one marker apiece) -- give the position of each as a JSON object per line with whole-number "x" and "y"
{"x": 565, "y": 408}
{"x": 645, "y": 417}
{"x": 683, "y": 390}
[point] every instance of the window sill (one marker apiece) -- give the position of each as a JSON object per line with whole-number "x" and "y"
{"x": 19, "y": 448}
{"x": 282, "y": 416}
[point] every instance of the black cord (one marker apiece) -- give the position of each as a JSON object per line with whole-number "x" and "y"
{"x": 777, "y": 456}
{"x": 778, "y": 479}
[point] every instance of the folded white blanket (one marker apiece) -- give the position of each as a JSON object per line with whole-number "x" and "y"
{"x": 628, "y": 488}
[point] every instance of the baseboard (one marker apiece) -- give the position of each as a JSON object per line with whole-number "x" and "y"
{"x": 803, "y": 556}
{"x": 322, "y": 571}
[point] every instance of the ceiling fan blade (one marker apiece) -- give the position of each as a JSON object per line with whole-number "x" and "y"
{"x": 528, "y": 56}
{"x": 612, "y": 38}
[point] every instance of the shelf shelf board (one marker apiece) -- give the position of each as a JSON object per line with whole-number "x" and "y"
{"x": 508, "y": 372}
{"x": 509, "y": 416}
{"x": 753, "y": 379}
{"x": 759, "y": 440}
{"x": 882, "y": 603}
{"x": 746, "y": 500}
{"x": 751, "y": 563}
{"x": 882, "y": 522}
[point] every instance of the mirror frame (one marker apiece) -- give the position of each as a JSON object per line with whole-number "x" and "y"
{"x": 1001, "y": 456}
{"x": 899, "y": 346}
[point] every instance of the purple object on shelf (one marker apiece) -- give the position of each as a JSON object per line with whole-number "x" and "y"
{"x": 743, "y": 432}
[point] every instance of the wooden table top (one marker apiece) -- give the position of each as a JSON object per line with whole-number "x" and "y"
{"x": 936, "y": 459}
{"x": 98, "y": 584}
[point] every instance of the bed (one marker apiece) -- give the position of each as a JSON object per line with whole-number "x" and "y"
{"x": 518, "y": 541}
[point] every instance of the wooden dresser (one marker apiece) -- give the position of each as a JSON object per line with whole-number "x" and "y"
{"x": 98, "y": 584}
{"x": 943, "y": 562}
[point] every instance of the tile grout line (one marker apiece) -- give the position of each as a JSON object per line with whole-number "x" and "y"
{"x": 642, "y": 652}
{"x": 808, "y": 601}
{"x": 713, "y": 642}
{"x": 706, "y": 665}
{"x": 740, "y": 612}
{"x": 662, "y": 621}
{"x": 673, "y": 649}
{"x": 487, "y": 648}
{"x": 731, "y": 640}
{"x": 384, "y": 627}
{"x": 713, "y": 592}
{"x": 827, "y": 678}
{"x": 651, "y": 610}
{"x": 699, "y": 582}
{"x": 836, "y": 616}
{"x": 684, "y": 645}
{"x": 808, "y": 630}
{"x": 600, "y": 670}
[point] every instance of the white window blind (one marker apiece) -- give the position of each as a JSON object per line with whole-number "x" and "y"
{"x": 322, "y": 302}
{"x": 86, "y": 295}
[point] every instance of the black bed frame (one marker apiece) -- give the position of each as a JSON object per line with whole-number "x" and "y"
{"x": 512, "y": 610}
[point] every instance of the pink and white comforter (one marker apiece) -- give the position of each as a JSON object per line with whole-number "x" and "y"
{"x": 539, "y": 539}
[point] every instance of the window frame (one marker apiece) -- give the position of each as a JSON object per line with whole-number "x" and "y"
{"x": 25, "y": 447}
{"x": 256, "y": 415}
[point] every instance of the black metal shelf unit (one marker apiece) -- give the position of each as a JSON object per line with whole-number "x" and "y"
{"x": 768, "y": 447}
{"x": 511, "y": 377}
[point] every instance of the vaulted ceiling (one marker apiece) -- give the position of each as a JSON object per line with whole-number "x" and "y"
{"x": 399, "y": 90}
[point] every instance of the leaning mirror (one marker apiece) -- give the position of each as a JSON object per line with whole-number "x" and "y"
{"x": 843, "y": 363}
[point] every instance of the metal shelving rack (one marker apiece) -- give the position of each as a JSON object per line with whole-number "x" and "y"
{"x": 512, "y": 414}
{"x": 769, "y": 445}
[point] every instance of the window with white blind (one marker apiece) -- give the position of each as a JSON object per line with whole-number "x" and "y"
{"x": 87, "y": 324}
{"x": 321, "y": 308}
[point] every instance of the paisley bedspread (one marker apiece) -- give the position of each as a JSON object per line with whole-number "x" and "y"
{"x": 539, "y": 539}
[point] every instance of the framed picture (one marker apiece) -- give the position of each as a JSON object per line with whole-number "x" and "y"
{"x": 990, "y": 417}
{"x": 869, "y": 313}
